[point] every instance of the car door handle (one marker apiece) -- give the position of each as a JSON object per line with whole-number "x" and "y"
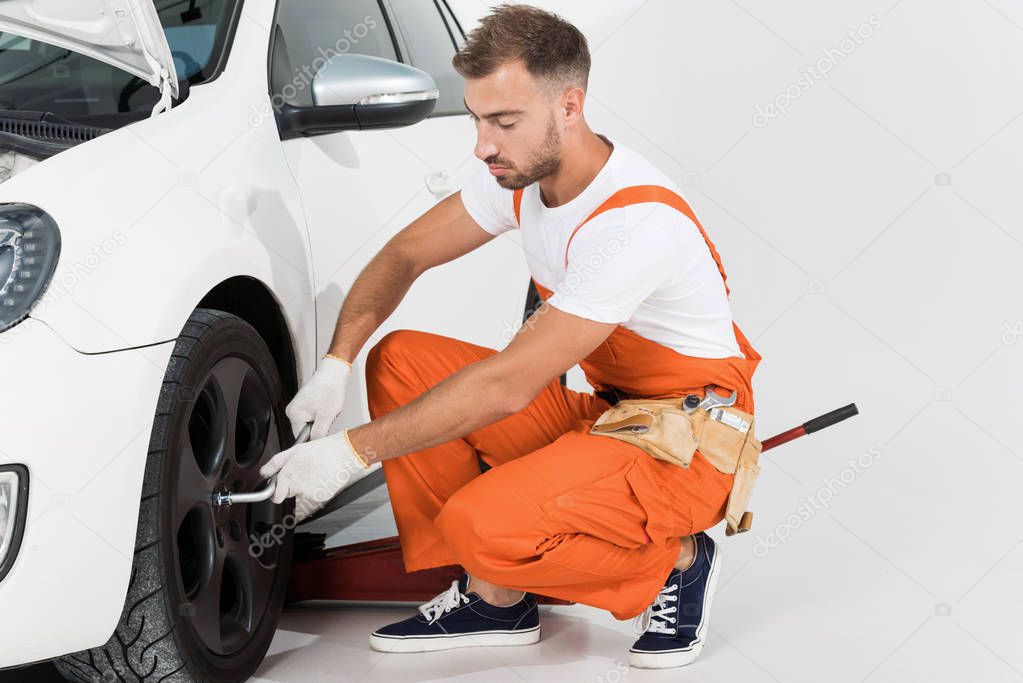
{"x": 439, "y": 184}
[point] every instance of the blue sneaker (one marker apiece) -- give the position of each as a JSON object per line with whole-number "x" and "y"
{"x": 675, "y": 626}
{"x": 457, "y": 618}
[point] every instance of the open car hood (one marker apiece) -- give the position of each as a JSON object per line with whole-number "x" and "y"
{"x": 125, "y": 33}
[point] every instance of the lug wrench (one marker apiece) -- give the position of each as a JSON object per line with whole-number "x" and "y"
{"x": 266, "y": 493}
{"x": 711, "y": 399}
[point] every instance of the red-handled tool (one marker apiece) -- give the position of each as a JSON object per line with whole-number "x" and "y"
{"x": 811, "y": 426}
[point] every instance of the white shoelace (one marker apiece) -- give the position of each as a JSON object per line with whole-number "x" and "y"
{"x": 444, "y": 602}
{"x": 655, "y": 618}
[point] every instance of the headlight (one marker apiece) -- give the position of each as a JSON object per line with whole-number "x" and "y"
{"x": 13, "y": 504}
{"x": 29, "y": 246}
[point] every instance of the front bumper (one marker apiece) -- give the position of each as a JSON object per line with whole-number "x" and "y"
{"x": 80, "y": 424}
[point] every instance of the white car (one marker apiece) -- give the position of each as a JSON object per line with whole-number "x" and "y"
{"x": 187, "y": 189}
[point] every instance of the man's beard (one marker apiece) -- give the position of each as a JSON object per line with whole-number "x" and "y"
{"x": 542, "y": 163}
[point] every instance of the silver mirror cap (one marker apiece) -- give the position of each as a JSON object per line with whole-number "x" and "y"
{"x": 349, "y": 79}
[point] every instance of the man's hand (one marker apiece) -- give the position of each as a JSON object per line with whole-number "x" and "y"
{"x": 321, "y": 399}
{"x": 314, "y": 472}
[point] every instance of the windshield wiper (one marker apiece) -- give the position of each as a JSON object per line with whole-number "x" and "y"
{"x": 42, "y": 134}
{"x": 41, "y": 116}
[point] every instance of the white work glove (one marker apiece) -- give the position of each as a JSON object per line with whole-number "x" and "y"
{"x": 321, "y": 399}
{"x": 314, "y": 472}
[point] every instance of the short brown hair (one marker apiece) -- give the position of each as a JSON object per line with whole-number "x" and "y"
{"x": 551, "y": 48}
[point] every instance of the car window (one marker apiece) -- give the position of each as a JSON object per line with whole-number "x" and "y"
{"x": 315, "y": 30}
{"x": 456, "y": 28}
{"x": 194, "y": 31}
{"x": 431, "y": 47}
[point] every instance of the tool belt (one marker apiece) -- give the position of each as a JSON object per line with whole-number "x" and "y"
{"x": 664, "y": 429}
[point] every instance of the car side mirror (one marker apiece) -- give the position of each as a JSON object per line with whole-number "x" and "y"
{"x": 360, "y": 92}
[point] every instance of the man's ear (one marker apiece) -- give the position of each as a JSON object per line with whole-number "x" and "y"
{"x": 572, "y": 105}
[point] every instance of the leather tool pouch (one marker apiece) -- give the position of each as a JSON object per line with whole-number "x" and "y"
{"x": 724, "y": 436}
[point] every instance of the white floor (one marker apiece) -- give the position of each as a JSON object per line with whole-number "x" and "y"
{"x": 823, "y": 605}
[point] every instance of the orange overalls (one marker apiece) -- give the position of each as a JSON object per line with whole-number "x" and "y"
{"x": 562, "y": 512}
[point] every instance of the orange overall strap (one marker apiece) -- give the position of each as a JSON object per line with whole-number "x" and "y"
{"x": 517, "y": 203}
{"x": 638, "y": 194}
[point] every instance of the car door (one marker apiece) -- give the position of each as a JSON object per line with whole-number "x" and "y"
{"x": 361, "y": 187}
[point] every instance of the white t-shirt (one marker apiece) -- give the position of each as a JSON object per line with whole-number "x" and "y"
{"x": 644, "y": 266}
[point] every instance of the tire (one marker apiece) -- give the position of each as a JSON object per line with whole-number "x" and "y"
{"x": 207, "y": 584}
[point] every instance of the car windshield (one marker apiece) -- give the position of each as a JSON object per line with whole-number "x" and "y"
{"x": 36, "y": 76}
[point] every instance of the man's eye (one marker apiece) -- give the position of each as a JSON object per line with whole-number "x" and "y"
{"x": 506, "y": 126}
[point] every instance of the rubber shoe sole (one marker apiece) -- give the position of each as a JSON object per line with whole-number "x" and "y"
{"x": 668, "y": 659}
{"x": 446, "y": 642}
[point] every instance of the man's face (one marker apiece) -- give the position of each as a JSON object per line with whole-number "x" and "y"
{"x": 517, "y": 134}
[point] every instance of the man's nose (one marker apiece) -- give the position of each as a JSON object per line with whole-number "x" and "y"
{"x": 485, "y": 149}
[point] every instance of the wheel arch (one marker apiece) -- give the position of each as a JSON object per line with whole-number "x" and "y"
{"x": 252, "y": 301}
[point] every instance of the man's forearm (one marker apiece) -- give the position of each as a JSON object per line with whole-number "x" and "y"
{"x": 476, "y": 395}
{"x": 376, "y": 292}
